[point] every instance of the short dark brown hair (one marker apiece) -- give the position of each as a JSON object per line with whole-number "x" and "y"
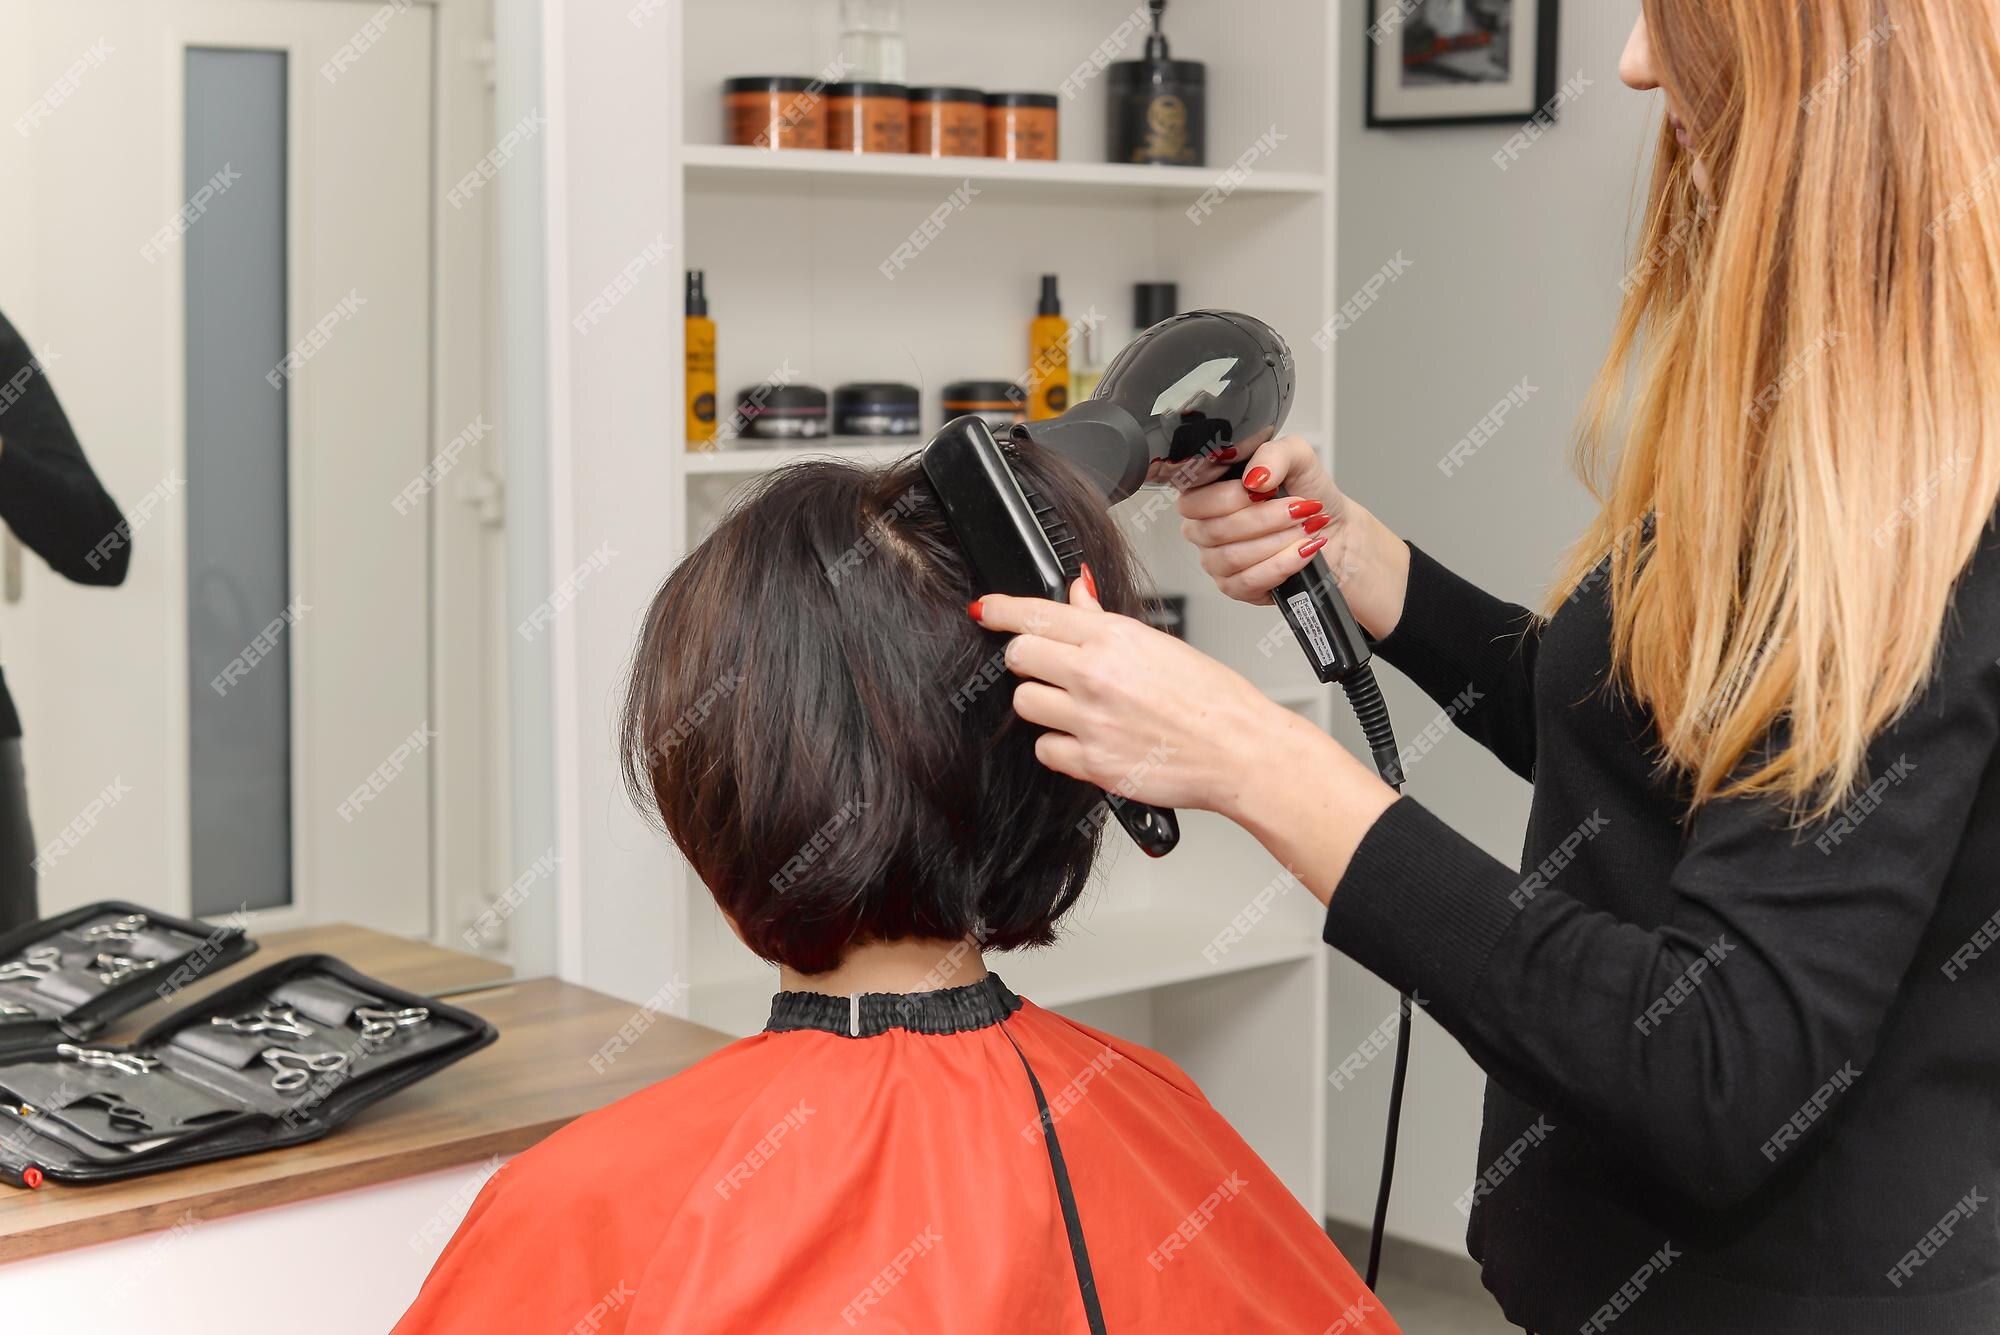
{"x": 831, "y": 740}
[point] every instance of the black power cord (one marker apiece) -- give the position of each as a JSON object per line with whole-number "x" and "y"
{"x": 1364, "y": 695}
{"x": 1333, "y": 642}
{"x": 1389, "y": 1138}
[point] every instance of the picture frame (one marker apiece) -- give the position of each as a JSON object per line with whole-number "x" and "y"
{"x": 1460, "y": 62}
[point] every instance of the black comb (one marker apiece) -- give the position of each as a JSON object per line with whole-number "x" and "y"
{"x": 1018, "y": 544}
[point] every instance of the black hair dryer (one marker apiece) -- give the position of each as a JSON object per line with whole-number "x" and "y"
{"x": 1182, "y": 391}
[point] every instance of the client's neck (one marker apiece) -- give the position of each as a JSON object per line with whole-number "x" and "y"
{"x": 894, "y": 966}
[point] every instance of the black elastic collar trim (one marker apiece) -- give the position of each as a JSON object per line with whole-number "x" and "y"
{"x": 954, "y": 1010}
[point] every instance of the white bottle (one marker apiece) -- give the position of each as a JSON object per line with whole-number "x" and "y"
{"x": 871, "y": 41}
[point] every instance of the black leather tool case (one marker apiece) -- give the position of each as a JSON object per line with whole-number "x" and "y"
{"x": 280, "y": 1057}
{"x": 66, "y": 977}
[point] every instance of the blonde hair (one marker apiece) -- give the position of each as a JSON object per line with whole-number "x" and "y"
{"x": 1803, "y": 392}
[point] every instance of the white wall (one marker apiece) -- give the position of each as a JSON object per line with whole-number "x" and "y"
{"x": 520, "y": 343}
{"x": 1514, "y": 275}
{"x": 609, "y": 80}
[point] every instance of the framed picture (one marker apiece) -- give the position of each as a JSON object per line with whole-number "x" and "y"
{"x": 1459, "y": 62}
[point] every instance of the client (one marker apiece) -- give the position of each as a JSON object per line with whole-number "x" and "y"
{"x": 909, "y": 1146}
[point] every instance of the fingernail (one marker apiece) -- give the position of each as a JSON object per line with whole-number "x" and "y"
{"x": 1089, "y": 580}
{"x": 1304, "y": 509}
{"x": 1226, "y": 453}
{"x": 1308, "y": 550}
{"x": 1257, "y": 479}
{"x": 1264, "y": 495}
{"x": 976, "y": 609}
{"x": 1317, "y": 522}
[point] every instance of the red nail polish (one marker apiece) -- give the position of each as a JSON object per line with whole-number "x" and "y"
{"x": 1089, "y": 580}
{"x": 975, "y": 610}
{"x": 1304, "y": 509}
{"x": 1226, "y": 453}
{"x": 1316, "y": 523}
{"x": 1263, "y": 495}
{"x": 1257, "y": 479}
{"x": 1308, "y": 550}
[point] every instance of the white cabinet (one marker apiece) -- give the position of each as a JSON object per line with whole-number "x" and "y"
{"x": 793, "y": 245}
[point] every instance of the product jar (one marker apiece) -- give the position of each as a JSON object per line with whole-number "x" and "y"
{"x": 876, "y": 408}
{"x": 774, "y": 111}
{"x": 772, "y": 411}
{"x": 1021, "y": 126}
{"x": 948, "y": 122}
{"x": 1158, "y": 112}
{"x": 868, "y": 118}
{"x": 1003, "y": 403}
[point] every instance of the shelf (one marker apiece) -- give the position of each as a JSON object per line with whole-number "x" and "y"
{"x": 1112, "y": 955}
{"x": 744, "y": 458}
{"x": 741, "y": 460}
{"x": 722, "y": 162}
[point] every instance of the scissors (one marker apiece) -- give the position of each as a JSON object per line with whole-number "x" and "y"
{"x": 123, "y": 1116}
{"x": 36, "y": 962}
{"x": 295, "y": 1069}
{"x": 117, "y": 968}
{"x": 131, "y": 1063}
{"x": 377, "y": 1025}
{"x": 272, "y": 1018}
{"x": 121, "y": 930}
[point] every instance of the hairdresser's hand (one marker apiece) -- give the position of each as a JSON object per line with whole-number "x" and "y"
{"x": 1139, "y": 713}
{"x": 1249, "y": 544}
{"x": 1129, "y": 708}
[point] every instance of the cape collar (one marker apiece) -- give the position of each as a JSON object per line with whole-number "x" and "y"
{"x": 953, "y": 1010}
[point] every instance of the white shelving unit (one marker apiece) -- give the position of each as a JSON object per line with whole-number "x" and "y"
{"x": 719, "y": 162}
{"x": 794, "y": 244}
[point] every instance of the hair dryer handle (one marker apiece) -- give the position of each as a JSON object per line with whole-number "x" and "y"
{"x": 1316, "y": 610}
{"x": 1318, "y": 614}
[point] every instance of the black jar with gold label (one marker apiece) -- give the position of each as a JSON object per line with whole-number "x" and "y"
{"x": 1159, "y": 105}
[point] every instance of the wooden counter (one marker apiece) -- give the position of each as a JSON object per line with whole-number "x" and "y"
{"x": 499, "y": 1101}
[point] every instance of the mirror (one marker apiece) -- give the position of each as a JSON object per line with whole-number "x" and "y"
{"x": 255, "y": 618}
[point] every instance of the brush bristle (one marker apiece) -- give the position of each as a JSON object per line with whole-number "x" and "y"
{"x": 1068, "y": 547}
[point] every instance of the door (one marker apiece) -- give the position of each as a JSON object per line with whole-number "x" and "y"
{"x": 230, "y": 279}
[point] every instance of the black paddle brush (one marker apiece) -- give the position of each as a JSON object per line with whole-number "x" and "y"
{"x": 1019, "y": 544}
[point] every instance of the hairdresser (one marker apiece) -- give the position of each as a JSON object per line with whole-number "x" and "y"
{"x": 1738, "y": 1004}
{"x": 52, "y": 502}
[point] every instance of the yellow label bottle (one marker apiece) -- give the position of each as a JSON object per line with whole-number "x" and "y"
{"x": 700, "y": 365}
{"x": 1086, "y": 368}
{"x": 1048, "y": 357}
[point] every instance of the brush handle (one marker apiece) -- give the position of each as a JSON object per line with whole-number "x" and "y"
{"x": 1155, "y": 829}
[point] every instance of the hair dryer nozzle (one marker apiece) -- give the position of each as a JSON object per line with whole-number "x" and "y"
{"x": 1107, "y": 443}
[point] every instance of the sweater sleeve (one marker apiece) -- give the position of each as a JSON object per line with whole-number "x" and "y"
{"x": 1710, "y": 1046}
{"x": 49, "y": 496}
{"x": 1472, "y": 653}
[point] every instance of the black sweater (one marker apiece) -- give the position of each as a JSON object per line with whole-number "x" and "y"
{"x": 48, "y": 495}
{"x": 1743, "y": 1079}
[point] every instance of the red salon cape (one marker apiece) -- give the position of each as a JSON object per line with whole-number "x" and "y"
{"x": 899, "y": 1182}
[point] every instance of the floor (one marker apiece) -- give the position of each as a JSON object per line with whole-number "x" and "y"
{"x": 1426, "y": 1291}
